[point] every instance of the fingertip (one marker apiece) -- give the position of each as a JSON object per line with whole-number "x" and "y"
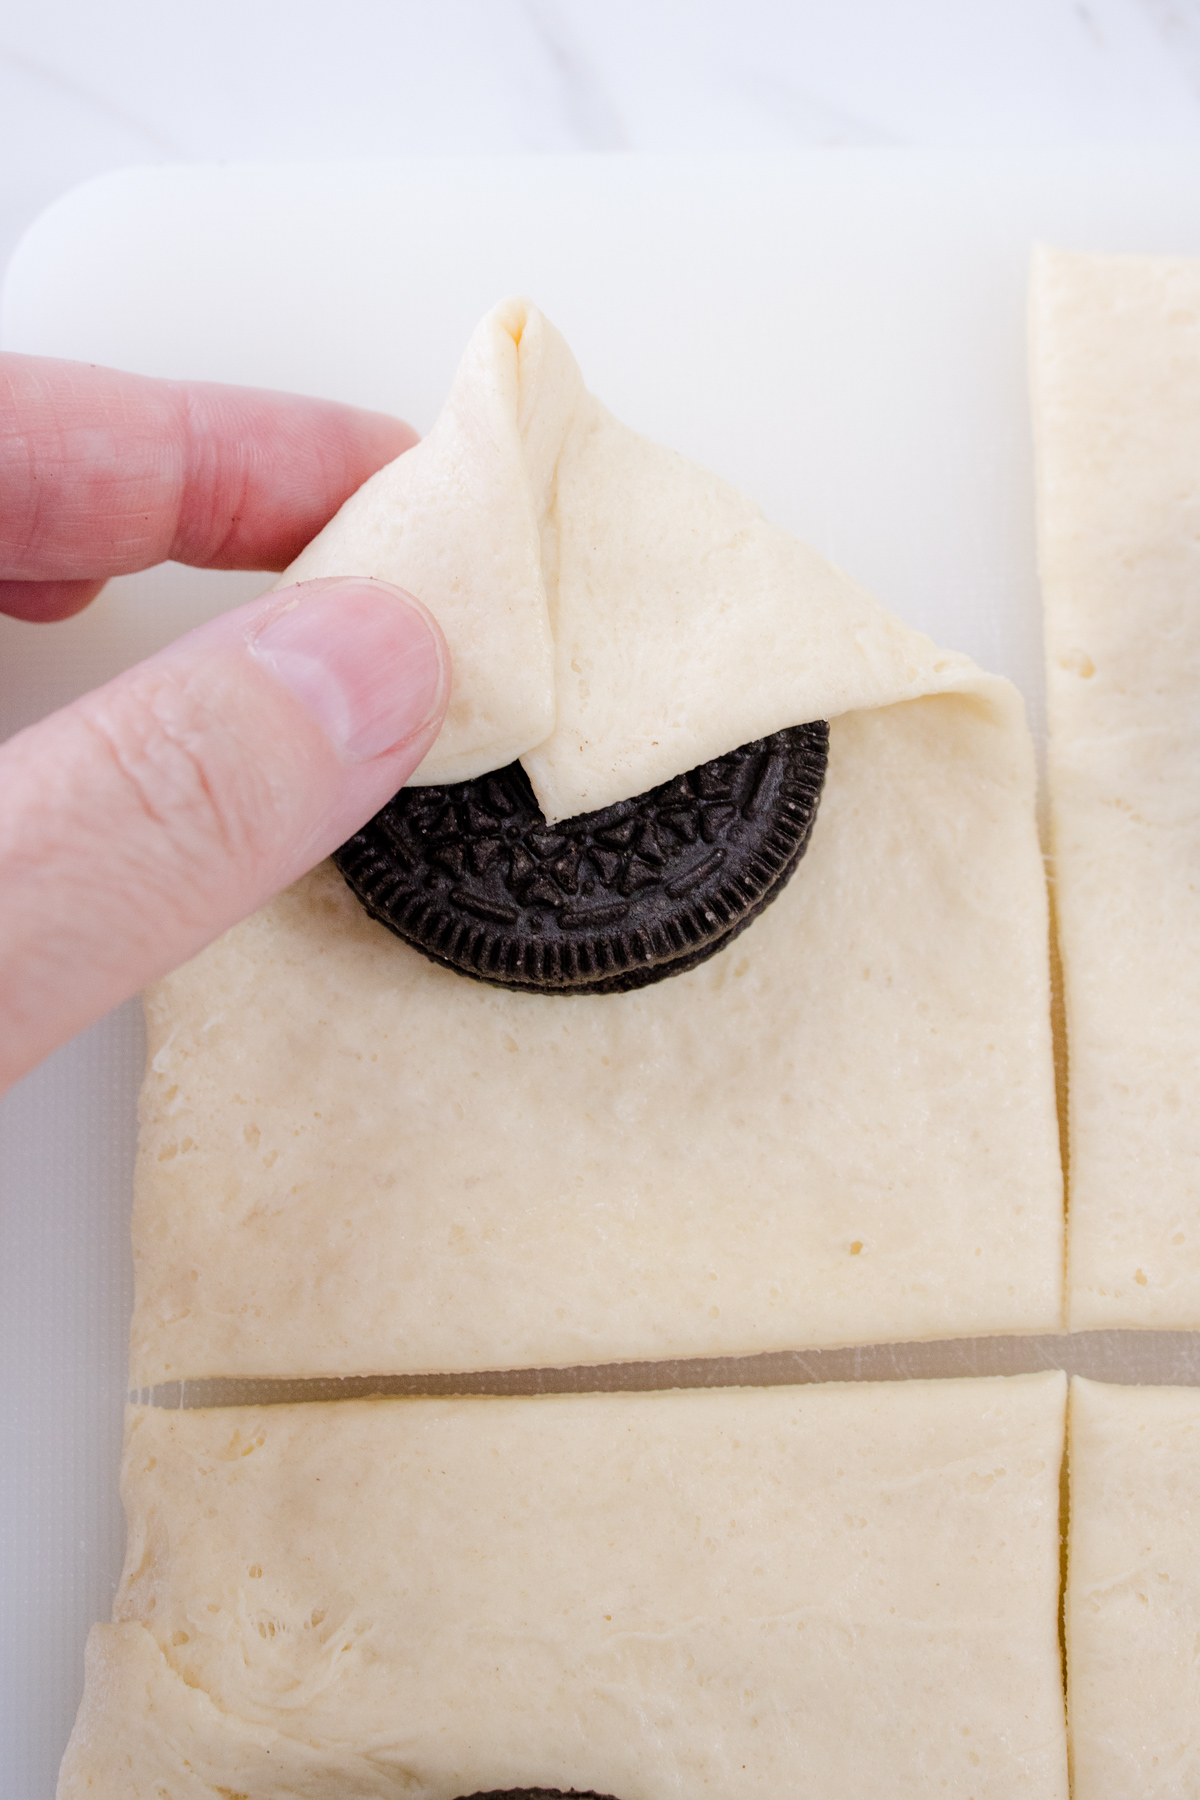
{"x": 47, "y": 602}
{"x": 384, "y": 438}
{"x": 153, "y": 813}
{"x": 264, "y": 472}
{"x": 366, "y": 661}
{"x": 120, "y": 471}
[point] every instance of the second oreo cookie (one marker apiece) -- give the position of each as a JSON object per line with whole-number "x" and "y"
{"x": 539, "y": 1794}
{"x": 473, "y": 877}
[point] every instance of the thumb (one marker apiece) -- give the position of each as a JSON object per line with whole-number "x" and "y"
{"x": 141, "y": 821}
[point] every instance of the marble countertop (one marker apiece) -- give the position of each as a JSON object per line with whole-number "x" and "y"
{"x": 85, "y": 89}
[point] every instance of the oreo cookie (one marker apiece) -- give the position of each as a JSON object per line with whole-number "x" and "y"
{"x": 537, "y": 1794}
{"x": 471, "y": 875}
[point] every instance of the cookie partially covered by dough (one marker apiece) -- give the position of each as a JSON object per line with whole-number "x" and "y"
{"x": 841, "y": 1128}
{"x": 783, "y": 1593}
{"x": 471, "y": 874}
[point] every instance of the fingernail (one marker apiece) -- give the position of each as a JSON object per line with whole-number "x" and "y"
{"x": 363, "y": 660}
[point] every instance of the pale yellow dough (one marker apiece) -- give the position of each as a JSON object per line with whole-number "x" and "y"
{"x": 1117, "y": 409}
{"x": 840, "y": 1129}
{"x": 813, "y": 1593}
{"x": 1133, "y": 1592}
{"x": 453, "y": 521}
{"x": 614, "y": 612}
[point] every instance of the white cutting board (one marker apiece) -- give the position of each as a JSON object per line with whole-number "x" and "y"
{"x": 840, "y": 333}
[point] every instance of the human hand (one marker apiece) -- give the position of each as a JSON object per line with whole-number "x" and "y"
{"x": 141, "y": 821}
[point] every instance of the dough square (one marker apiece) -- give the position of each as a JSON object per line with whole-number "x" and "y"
{"x": 1117, "y": 411}
{"x": 839, "y": 1130}
{"x": 787, "y": 1592}
{"x": 1133, "y": 1592}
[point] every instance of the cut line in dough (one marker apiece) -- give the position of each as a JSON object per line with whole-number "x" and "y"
{"x": 1116, "y": 362}
{"x": 1133, "y": 1591}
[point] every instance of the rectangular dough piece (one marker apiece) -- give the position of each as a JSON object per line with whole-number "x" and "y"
{"x": 789, "y": 1592}
{"x": 1133, "y": 1592}
{"x": 841, "y": 1129}
{"x": 1117, "y": 407}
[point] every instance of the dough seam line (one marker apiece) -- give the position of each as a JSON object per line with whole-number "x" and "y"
{"x": 1127, "y": 1357}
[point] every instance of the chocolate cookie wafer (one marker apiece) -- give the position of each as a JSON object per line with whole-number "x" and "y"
{"x": 538, "y": 1794}
{"x": 473, "y": 877}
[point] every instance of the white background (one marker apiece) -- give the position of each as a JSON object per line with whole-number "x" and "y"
{"x": 87, "y": 88}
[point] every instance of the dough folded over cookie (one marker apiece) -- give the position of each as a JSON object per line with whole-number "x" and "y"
{"x": 841, "y": 1129}
{"x": 1117, "y": 410}
{"x": 615, "y": 614}
{"x": 797, "y": 1593}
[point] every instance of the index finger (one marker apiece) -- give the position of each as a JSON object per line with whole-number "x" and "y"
{"x": 103, "y": 473}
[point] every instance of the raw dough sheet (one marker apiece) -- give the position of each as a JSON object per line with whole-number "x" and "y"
{"x": 839, "y": 1130}
{"x": 1116, "y": 374}
{"x": 788, "y": 1592}
{"x": 1133, "y": 1591}
{"x": 842, "y": 1128}
{"x": 895, "y": 439}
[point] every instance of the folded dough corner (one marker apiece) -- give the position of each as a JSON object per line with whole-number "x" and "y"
{"x": 841, "y": 1129}
{"x": 615, "y": 614}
